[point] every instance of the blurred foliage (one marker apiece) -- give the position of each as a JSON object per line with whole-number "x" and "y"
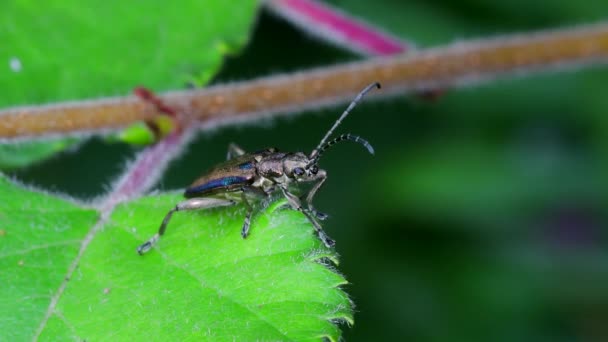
{"x": 482, "y": 215}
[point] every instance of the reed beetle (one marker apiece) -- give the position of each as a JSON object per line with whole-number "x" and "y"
{"x": 244, "y": 177}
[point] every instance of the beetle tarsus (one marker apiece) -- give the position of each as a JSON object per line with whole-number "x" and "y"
{"x": 246, "y": 225}
{"x": 329, "y": 242}
{"x": 319, "y": 215}
{"x": 146, "y": 246}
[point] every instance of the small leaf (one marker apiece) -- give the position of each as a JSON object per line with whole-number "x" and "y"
{"x": 136, "y": 134}
{"x": 141, "y": 134}
{"x": 202, "y": 281}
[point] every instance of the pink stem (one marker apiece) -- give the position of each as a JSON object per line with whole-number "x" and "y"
{"x": 330, "y": 24}
{"x": 146, "y": 169}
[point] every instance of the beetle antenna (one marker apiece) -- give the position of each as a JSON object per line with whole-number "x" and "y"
{"x": 336, "y": 140}
{"x": 350, "y": 107}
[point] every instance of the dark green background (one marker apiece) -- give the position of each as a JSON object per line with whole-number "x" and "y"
{"x": 482, "y": 215}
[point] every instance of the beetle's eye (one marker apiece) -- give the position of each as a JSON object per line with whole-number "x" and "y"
{"x": 314, "y": 169}
{"x": 298, "y": 171}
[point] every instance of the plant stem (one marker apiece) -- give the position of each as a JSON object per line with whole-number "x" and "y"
{"x": 458, "y": 64}
{"x": 143, "y": 173}
{"x": 330, "y": 24}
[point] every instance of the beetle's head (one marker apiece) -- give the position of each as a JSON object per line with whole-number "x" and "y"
{"x": 296, "y": 167}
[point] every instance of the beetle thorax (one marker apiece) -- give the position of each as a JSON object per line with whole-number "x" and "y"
{"x": 283, "y": 168}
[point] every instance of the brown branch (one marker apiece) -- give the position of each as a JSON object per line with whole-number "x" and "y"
{"x": 460, "y": 63}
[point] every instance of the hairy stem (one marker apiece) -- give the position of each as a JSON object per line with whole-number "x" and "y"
{"x": 146, "y": 169}
{"x": 462, "y": 63}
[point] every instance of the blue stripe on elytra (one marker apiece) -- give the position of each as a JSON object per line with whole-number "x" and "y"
{"x": 216, "y": 183}
{"x": 246, "y": 166}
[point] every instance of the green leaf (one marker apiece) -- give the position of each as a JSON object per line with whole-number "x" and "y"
{"x": 60, "y": 50}
{"x": 203, "y": 281}
{"x": 40, "y": 236}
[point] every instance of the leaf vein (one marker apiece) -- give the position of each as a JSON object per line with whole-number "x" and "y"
{"x": 43, "y": 246}
{"x": 224, "y": 295}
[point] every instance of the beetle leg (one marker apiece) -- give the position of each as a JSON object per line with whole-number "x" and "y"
{"x": 294, "y": 201}
{"x": 245, "y": 230}
{"x": 257, "y": 194}
{"x": 247, "y": 193}
{"x": 319, "y": 215}
{"x": 322, "y": 176}
{"x": 234, "y": 151}
{"x": 190, "y": 204}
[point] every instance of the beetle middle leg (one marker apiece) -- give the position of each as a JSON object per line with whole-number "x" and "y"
{"x": 295, "y": 203}
{"x": 190, "y": 204}
{"x": 247, "y": 223}
{"x": 246, "y": 192}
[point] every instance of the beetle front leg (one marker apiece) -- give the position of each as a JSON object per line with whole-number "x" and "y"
{"x": 294, "y": 201}
{"x": 322, "y": 176}
{"x": 234, "y": 150}
{"x": 190, "y": 204}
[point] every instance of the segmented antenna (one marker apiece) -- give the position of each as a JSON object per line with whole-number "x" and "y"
{"x": 352, "y": 105}
{"x": 342, "y": 137}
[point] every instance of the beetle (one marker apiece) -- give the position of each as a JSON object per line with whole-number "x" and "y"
{"x": 244, "y": 177}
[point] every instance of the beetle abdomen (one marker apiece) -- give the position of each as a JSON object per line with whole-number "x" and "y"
{"x": 215, "y": 184}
